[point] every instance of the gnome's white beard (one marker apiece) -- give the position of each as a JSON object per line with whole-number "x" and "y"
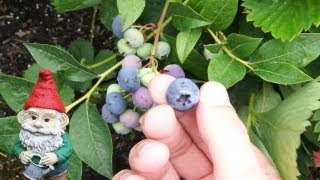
{"x": 49, "y": 140}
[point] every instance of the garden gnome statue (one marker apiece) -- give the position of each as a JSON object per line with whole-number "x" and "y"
{"x": 43, "y": 145}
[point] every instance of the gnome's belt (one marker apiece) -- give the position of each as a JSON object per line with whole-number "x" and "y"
{"x": 58, "y": 169}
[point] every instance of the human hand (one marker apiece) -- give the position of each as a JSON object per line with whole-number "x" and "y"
{"x": 206, "y": 142}
{"x": 25, "y": 157}
{"x": 49, "y": 159}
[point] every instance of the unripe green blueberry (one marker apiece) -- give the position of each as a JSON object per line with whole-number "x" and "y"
{"x": 144, "y": 51}
{"x": 134, "y": 37}
{"x": 138, "y": 128}
{"x": 119, "y": 128}
{"x": 145, "y": 75}
{"x": 163, "y": 50}
{"x": 124, "y": 48}
{"x": 115, "y": 88}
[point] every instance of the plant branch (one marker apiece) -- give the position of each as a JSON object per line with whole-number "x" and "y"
{"x": 88, "y": 94}
{"x": 100, "y": 63}
{"x": 93, "y": 20}
{"x": 228, "y": 52}
{"x": 159, "y": 29}
{"x": 250, "y": 119}
{"x": 2, "y": 154}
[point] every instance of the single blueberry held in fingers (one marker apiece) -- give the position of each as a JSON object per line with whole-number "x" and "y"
{"x": 108, "y": 116}
{"x": 134, "y": 37}
{"x": 117, "y": 27}
{"x": 182, "y": 94}
{"x": 128, "y": 79}
{"x": 141, "y": 98}
{"x": 173, "y": 70}
{"x": 115, "y": 102}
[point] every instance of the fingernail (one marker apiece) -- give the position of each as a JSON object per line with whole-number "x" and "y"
{"x": 145, "y": 148}
{"x": 214, "y": 94}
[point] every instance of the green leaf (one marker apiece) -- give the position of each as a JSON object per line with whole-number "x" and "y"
{"x": 55, "y": 58}
{"x": 67, "y": 94}
{"x": 152, "y": 11}
{"x": 213, "y": 48}
{"x": 280, "y": 73}
{"x": 280, "y": 128}
{"x": 224, "y": 69}
{"x": 220, "y": 13}
{"x": 194, "y": 64}
{"x": 316, "y": 116}
{"x": 103, "y": 55}
{"x": 244, "y": 114}
{"x": 241, "y": 45}
{"x": 266, "y": 99}
{"x": 75, "y": 168}
{"x": 186, "y": 40}
{"x": 82, "y": 50}
{"x": 130, "y": 10}
{"x": 9, "y": 131}
{"x": 108, "y": 11}
{"x": 91, "y": 139}
{"x": 285, "y": 19}
{"x": 185, "y": 17}
{"x": 71, "y": 5}
{"x": 31, "y": 74}
{"x": 15, "y": 91}
{"x": 301, "y": 51}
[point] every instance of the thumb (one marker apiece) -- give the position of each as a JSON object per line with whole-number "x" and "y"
{"x": 226, "y": 137}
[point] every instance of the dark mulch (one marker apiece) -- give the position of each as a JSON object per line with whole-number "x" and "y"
{"x": 36, "y": 21}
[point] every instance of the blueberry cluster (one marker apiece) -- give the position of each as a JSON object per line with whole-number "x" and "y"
{"x": 132, "y": 41}
{"x": 129, "y": 98}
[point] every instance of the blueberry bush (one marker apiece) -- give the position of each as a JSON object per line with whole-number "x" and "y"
{"x": 265, "y": 52}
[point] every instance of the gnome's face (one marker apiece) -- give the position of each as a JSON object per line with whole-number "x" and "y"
{"x": 41, "y": 129}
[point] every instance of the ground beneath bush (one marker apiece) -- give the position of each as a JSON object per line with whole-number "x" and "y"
{"x": 36, "y": 21}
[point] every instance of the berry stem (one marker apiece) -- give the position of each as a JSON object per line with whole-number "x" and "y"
{"x": 228, "y": 52}
{"x": 93, "y": 20}
{"x": 88, "y": 94}
{"x": 159, "y": 29}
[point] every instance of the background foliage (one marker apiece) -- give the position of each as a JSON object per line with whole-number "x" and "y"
{"x": 265, "y": 52}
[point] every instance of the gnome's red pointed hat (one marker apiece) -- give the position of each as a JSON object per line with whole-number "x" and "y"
{"x": 44, "y": 94}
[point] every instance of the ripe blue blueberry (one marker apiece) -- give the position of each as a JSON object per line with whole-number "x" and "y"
{"x": 130, "y": 118}
{"x": 134, "y": 37}
{"x": 144, "y": 51}
{"x": 119, "y": 128}
{"x": 115, "y": 102}
{"x": 128, "y": 79}
{"x": 108, "y": 116}
{"x": 182, "y": 94}
{"x": 141, "y": 98}
{"x": 174, "y": 70}
{"x": 163, "y": 50}
{"x": 117, "y": 27}
{"x": 124, "y": 48}
{"x": 132, "y": 60}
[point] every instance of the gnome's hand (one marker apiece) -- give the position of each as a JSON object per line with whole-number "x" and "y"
{"x": 49, "y": 159}
{"x": 25, "y": 157}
